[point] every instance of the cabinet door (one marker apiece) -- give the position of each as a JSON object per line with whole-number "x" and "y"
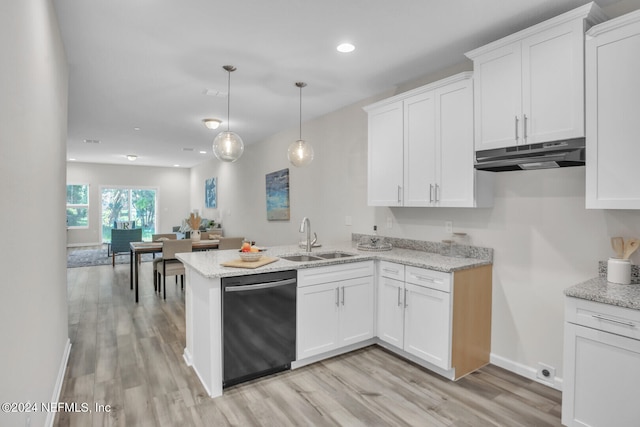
{"x": 391, "y": 311}
{"x": 385, "y": 173}
{"x": 454, "y": 150}
{"x": 553, "y": 84}
{"x": 602, "y": 373}
{"x": 613, "y": 94}
{"x": 419, "y": 150}
{"x": 497, "y": 101}
{"x": 427, "y": 332}
{"x": 317, "y": 319}
{"x": 356, "y": 314}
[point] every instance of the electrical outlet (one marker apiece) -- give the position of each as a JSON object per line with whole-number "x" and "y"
{"x": 448, "y": 226}
{"x": 389, "y": 222}
{"x": 347, "y": 220}
{"x": 546, "y": 373}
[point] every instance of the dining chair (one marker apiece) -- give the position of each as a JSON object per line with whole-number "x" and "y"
{"x": 230, "y": 242}
{"x": 120, "y": 239}
{"x": 170, "y": 265}
{"x": 156, "y": 261}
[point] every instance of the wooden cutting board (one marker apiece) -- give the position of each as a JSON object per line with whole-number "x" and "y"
{"x": 250, "y": 264}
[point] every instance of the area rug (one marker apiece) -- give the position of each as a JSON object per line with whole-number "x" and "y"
{"x": 91, "y": 257}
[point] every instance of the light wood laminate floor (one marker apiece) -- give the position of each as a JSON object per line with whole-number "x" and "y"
{"x": 129, "y": 356}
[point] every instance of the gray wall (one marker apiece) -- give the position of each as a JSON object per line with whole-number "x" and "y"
{"x": 33, "y": 120}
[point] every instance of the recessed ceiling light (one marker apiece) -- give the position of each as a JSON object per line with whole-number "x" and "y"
{"x": 345, "y": 47}
{"x": 203, "y": 152}
{"x": 72, "y": 159}
{"x": 136, "y": 128}
{"x": 176, "y": 166}
{"x": 91, "y": 141}
{"x": 131, "y": 157}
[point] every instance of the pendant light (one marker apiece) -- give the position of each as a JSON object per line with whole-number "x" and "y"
{"x": 227, "y": 145}
{"x": 300, "y": 152}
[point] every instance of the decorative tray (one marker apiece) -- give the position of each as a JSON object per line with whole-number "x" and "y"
{"x": 374, "y": 247}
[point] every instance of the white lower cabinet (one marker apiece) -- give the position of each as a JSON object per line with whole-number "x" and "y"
{"x": 335, "y": 307}
{"x": 601, "y": 365}
{"x": 427, "y": 324}
{"x": 414, "y": 317}
{"x": 443, "y": 319}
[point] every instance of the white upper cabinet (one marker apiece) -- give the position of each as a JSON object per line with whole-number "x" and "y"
{"x": 385, "y": 172}
{"x": 613, "y": 103}
{"x": 529, "y": 86}
{"x": 421, "y": 148}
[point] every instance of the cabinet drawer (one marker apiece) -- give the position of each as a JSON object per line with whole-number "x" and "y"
{"x": 428, "y": 278}
{"x": 392, "y": 270}
{"x": 334, "y": 273}
{"x": 604, "y": 317}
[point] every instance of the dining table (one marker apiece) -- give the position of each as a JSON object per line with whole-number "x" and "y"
{"x": 139, "y": 248}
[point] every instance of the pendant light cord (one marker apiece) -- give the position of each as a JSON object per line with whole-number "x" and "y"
{"x": 228, "y": 97}
{"x": 300, "y": 112}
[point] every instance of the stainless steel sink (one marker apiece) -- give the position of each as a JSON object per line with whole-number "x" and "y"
{"x": 301, "y": 258}
{"x": 332, "y": 255}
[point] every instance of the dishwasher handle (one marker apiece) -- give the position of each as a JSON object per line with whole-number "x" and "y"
{"x": 257, "y": 286}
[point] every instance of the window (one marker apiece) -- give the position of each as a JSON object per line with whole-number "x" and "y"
{"x": 78, "y": 206}
{"x": 130, "y": 208}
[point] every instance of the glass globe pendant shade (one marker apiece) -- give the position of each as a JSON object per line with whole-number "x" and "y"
{"x": 300, "y": 153}
{"x": 228, "y": 146}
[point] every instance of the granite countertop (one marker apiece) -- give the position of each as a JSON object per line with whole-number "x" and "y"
{"x": 207, "y": 263}
{"x": 599, "y": 290}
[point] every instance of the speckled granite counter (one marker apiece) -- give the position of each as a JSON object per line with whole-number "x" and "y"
{"x": 599, "y": 290}
{"x": 208, "y": 263}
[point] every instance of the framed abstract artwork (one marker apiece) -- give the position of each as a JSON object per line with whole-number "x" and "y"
{"x": 278, "y": 195}
{"x": 211, "y": 193}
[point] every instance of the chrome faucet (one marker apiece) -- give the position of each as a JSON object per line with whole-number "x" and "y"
{"x": 306, "y": 226}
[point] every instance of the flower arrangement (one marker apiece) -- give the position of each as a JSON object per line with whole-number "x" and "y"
{"x": 194, "y": 221}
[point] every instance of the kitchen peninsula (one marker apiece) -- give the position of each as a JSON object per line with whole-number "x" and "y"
{"x": 390, "y": 284}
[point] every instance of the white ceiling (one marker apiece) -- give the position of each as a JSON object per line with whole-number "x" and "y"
{"x": 147, "y": 63}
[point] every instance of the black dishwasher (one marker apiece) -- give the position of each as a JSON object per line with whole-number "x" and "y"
{"x": 258, "y": 325}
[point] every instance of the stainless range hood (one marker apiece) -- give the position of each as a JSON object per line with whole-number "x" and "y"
{"x": 534, "y": 156}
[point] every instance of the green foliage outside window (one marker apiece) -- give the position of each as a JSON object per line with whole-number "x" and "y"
{"x": 78, "y": 205}
{"x": 128, "y": 204}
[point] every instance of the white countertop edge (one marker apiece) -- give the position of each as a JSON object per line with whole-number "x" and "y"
{"x": 597, "y": 289}
{"x": 207, "y": 263}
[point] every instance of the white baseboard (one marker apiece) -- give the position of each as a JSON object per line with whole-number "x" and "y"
{"x": 524, "y": 371}
{"x": 51, "y": 415}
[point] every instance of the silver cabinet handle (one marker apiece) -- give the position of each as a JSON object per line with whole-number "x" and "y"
{"x": 399, "y": 292}
{"x": 337, "y": 297}
{"x": 430, "y": 193}
{"x": 517, "y": 137}
{"x": 619, "y": 322}
{"x": 436, "y": 193}
{"x": 343, "y": 295}
{"x": 390, "y": 270}
{"x": 525, "y": 127}
{"x": 426, "y": 279}
{"x": 406, "y": 304}
{"x": 399, "y": 194}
